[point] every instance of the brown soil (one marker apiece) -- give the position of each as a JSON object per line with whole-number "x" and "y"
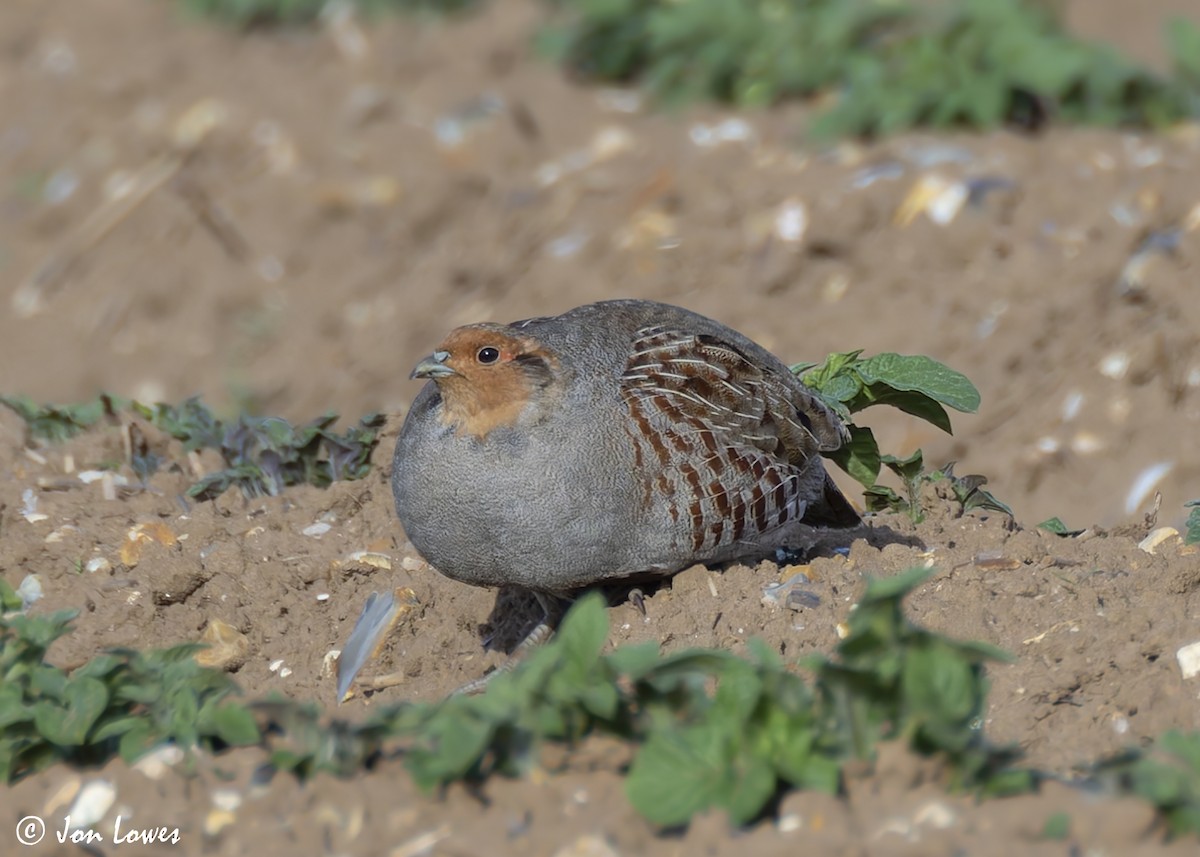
{"x": 348, "y": 239}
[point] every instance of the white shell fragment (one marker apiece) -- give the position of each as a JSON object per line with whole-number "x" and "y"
{"x": 1048, "y": 445}
{"x": 1145, "y": 483}
{"x": 938, "y": 198}
{"x": 1071, "y": 405}
{"x": 30, "y": 591}
{"x": 29, "y": 505}
{"x": 92, "y": 803}
{"x": 729, "y": 131}
{"x": 229, "y": 800}
{"x": 619, "y": 100}
{"x": 607, "y": 144}
{"x": 1151, "y": 543}
{"x": 791, "y": 222}
{"x": 1189, "y": 660}
{"x": 1086, "y": 443}
{"x": 316, "y": 530}
{"x": 867, "y": 176}
{"x": 566, "y": 246}
{"x": 1115, "y": 365}
{"x": 159, "y": 761}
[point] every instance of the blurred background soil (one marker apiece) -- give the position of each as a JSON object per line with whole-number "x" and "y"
{"x": 288, "y": 220}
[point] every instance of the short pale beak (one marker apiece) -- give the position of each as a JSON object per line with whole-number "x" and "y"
{"x": 433, "y": 367}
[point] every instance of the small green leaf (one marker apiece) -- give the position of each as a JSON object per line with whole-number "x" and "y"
{"x": 635, "y": 660}
{"x": 880, "y": 589}
{"x": 859, "y": 456}
{"x": 923, "y": 375}
{"x": 880, "y": 498}
{"x": 114, "y": 728}
{"x": 752, "y": 785}
{"x": 49, "y": 681}
{"x": 738, "y": 690}
{"x": 9, "y": 600}
{"x": 671, "y": 779}
{"x": 84, "y": 700}
{"x": 584, "y": 630}
{"x": 907, "y": 469}
{"x": 939, "y": 685}
{"x": 13, "y": 709}
{"x": 915, "y": 403}
{"x": 101, "y": 667}
{"x": 1057, "y": 826}
{"x": 1191, "y": 535}
{"x": 235, "y": 725}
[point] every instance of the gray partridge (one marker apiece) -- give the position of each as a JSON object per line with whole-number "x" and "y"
{"x": 622, "y": 439}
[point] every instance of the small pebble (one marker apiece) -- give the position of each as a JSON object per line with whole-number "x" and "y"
{"x": 566, "y": 246}
{"x": 92, "y": 803}
{"x": 1189, "y": 660}
{"x": 60, "y": 187}
{"x": 1072, "y": 405}
{"x": 1115, "y": 365}
{"x": 158, "y": 761}
{"x": 791, "y": 221}
{"x": 30, "y": 591}
{"x": 619, "y": 100}
{"x": 316, "y": 530}
{"x": 935, "y": 814}
{"x": 867, "y": 176}
{"x": 1086, "y": 443}
{"x": 1155, "y": 539}
{"x": 29, "y": 505}
{"x": 227, "y": 799}
{"x": 217, "y": 820}
{"x": 789, "y": 823}
{"x": 588, "y": 845}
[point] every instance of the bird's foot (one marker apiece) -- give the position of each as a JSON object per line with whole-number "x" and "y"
{"x": 550, "y": 611}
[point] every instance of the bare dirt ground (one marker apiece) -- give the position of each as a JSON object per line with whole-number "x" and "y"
{"x": 314, "y": 209}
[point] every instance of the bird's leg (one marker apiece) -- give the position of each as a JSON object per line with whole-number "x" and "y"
{"x": 551, "y": 609}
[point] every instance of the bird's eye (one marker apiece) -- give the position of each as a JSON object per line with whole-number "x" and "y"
{"x": 487, "y": 354}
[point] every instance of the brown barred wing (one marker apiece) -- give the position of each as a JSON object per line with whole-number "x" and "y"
{"x": 722, "y": 441}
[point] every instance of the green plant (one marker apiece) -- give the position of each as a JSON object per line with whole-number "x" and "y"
{"x": 122, "y": 702}
{"x": 709, "y": 728}
{"x": 968, "y": 490}
{"x": 1055, "y": 525}
{"x": 266, "y": 454}
{"x": 1167, "y": 775}
{"x": 916, "y": 385}
{"x": 10, "y": 601}
{"x": 1192, "y": 535}
{"x": 263, "y": 454}
{"x": 880, "y": 67}
{"x": 60, "y": 422}
{"x": 251, "y": 13}
{"x": 713, "y": 729}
